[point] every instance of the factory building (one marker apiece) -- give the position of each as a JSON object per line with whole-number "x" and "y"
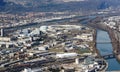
{"x": 6, "y": 39}
{"x": 7, "y": 44}
{"x": 66, "y": 55}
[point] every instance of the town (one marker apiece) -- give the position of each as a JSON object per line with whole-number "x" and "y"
{"x": 59, "y": 35}
{"x": 12, "y": 20}
{"x": 59, "y": 48}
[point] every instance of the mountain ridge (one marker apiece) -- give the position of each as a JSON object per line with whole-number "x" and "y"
{"x": 56, "y": 5}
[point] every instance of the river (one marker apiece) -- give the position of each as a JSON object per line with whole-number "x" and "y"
{"x": 107, "y": 49}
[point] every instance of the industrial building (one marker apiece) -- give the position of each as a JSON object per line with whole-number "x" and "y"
{"x": 66, "y": 55}
{"x": 6, "y": 39}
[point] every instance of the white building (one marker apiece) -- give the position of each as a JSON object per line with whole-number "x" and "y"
{"x": 43, "y": 28}
{"x": 86, "y": 37}
{"x": 66, "y": 55}
{"x": 43, "y": 48}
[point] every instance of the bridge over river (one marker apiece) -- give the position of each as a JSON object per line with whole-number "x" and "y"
{"x": 104, "y": 42}
{"x": 108, "y": 56}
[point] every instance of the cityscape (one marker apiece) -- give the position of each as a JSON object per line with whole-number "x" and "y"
{"x": 59, "y": 36}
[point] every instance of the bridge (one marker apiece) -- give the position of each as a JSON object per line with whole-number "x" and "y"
{"x": 104, "y": 42}
{"x": 108, "y": 56}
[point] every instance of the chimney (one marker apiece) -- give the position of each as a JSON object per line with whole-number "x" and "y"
{"x": 2, "y": 32}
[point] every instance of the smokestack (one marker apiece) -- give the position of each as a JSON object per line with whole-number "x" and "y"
{"x": 77, "y": 61}
{"x": 2, "y": 32}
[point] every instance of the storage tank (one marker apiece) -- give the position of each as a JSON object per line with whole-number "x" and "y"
{"x": 77, "y": 61}
{"x": 43, "y": 28}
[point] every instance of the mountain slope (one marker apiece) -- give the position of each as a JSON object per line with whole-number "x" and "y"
{"x": 56, "y": 5}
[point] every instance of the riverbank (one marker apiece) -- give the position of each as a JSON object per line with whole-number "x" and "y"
{"x": 105, "y": 67}
{"x": 106, "y": 49}
{"x": 115, "y": 42}
{"x": 113, "y": 48}
{"x": 95, "y": 50}
{"x": 112, "y": 34}
{"x": 99, "y": 55}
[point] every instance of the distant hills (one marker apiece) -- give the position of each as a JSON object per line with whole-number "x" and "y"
{"x": 13, "y": 6}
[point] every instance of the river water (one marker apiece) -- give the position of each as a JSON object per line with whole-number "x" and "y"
{"x": 107, "y": 49}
